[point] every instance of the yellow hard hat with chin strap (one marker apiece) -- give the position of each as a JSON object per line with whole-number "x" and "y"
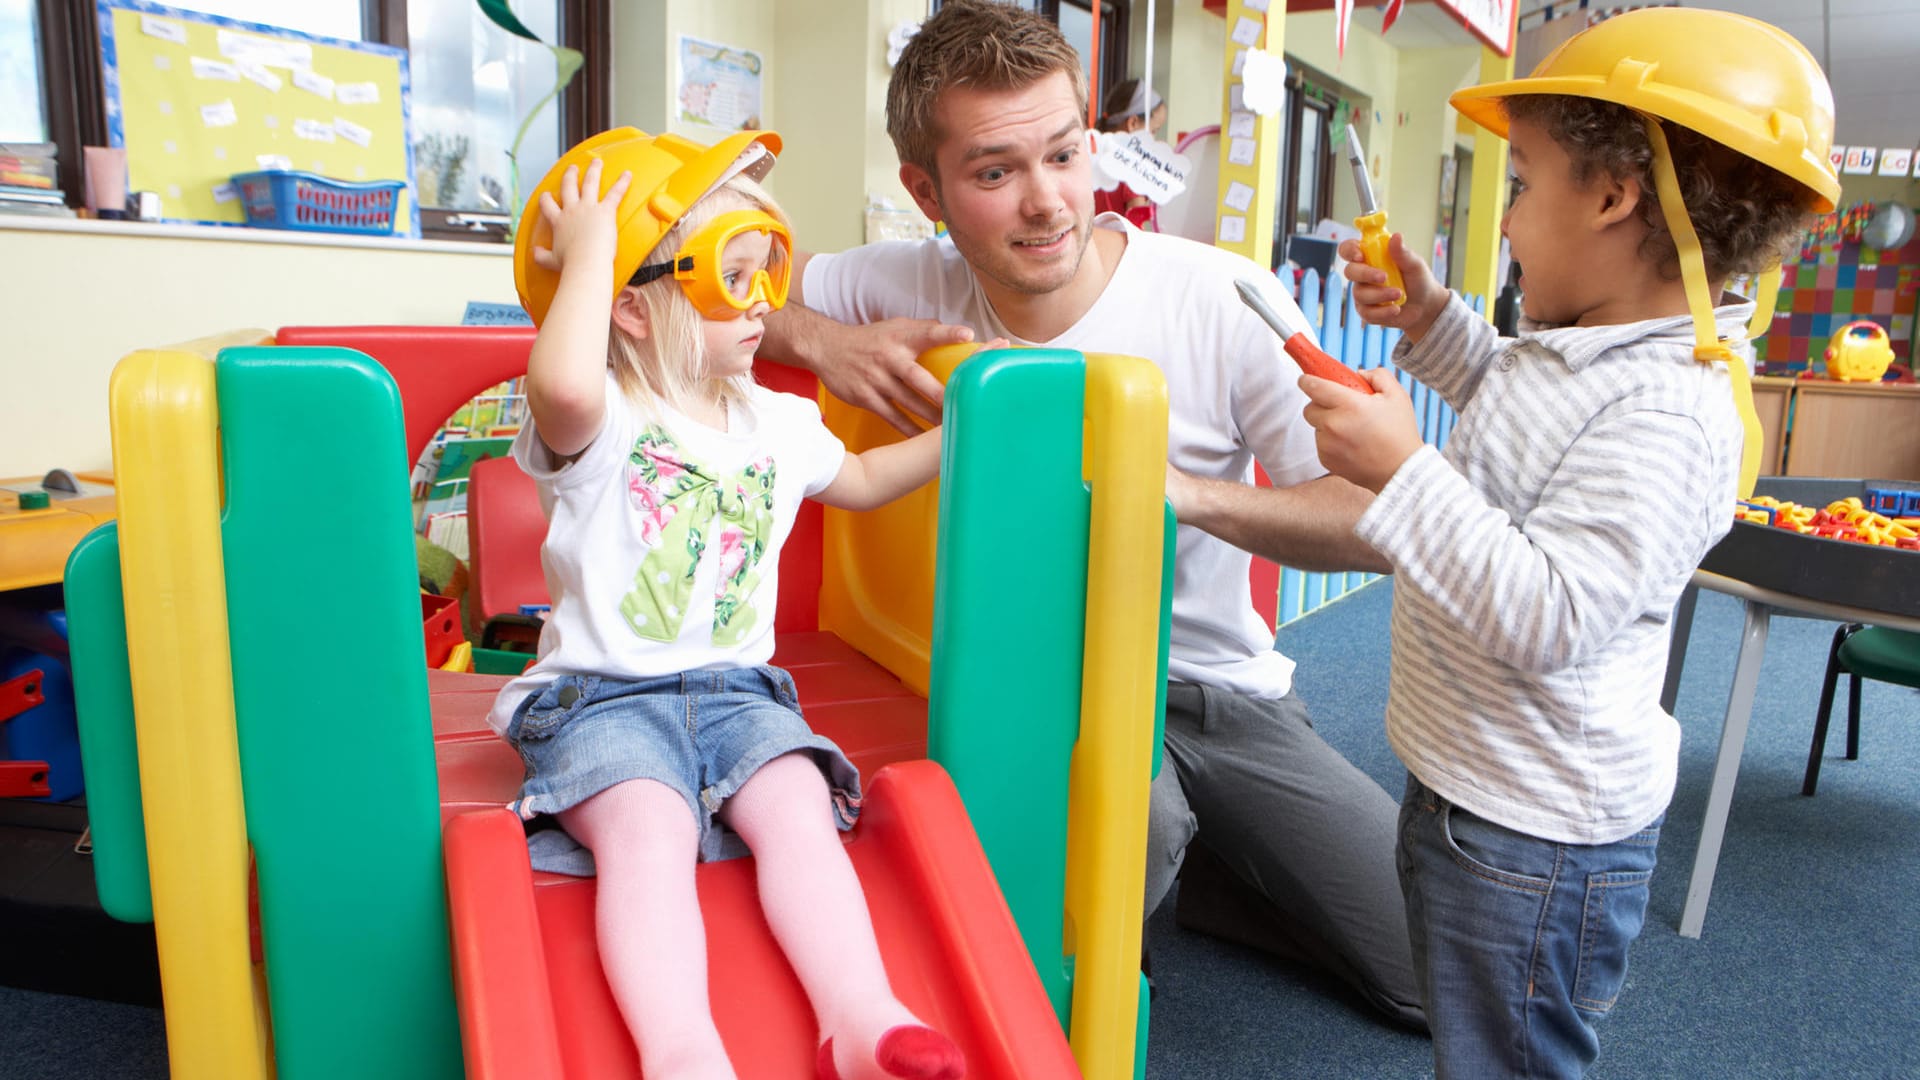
{"x": 670, "y": 174}
{"x": 1742, "y": 83}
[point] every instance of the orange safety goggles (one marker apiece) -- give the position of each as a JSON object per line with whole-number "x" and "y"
{"x": 717, "y": 290}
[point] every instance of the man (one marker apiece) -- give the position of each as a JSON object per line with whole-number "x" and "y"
{"x": 986, "y": 109}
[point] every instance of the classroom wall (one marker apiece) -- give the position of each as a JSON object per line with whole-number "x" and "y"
{"x": 65, "y": 333}
{"x": 74, "y": 303}
{"x": 831, "y": 114}
{"x": 1423, "y": 134}
{"x": 1195, "y": 92}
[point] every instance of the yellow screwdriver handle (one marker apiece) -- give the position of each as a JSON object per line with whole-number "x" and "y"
{"x": 1374, "y": 238}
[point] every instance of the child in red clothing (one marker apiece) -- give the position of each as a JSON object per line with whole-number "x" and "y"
{"x": 1128, "y": 110}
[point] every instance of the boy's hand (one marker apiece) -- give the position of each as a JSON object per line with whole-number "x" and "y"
{"x": 583, "y": 226}
{"x": 1364, "y": 438}
{"x": 1383, "y": 305}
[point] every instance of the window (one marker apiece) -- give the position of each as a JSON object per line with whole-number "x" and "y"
{"x": 1075, "y": 19}
{"x": 473, "y": 85}
{"x": 1306, "y": 163}
{"x": 23, "y": 108}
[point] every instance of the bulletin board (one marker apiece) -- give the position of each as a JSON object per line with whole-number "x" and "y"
{"x": 195, "y": 99}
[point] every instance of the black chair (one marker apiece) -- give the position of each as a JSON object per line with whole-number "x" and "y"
{"x": 1872, "y": 652}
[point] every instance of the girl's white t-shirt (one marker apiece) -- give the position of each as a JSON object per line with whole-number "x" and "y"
{"x": 663, "y": 538}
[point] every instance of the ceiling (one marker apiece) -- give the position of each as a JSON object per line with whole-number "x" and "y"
{"x": 1869, "y": 48}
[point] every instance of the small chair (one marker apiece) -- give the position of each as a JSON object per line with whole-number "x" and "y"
{"x": 1874, "y": 652}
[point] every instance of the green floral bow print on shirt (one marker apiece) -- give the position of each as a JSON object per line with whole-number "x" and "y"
{"x": 685, "y": 506}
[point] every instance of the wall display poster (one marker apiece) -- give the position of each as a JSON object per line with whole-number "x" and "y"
{"x": 720, "y": 86}
{"x": 196, "y": 99}
{"x": 1896, "y": 161}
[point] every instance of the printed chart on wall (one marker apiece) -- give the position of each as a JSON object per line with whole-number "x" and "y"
{"x": 720, "y": 86}
{"x": 196, "y": 99}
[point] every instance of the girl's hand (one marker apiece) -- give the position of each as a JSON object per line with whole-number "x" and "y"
{"x": 583, "y": 227}
{"x": 1364, "y": 438}
{"x": 1383, "y": 305}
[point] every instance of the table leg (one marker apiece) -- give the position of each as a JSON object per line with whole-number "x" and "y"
{"x": 1726, "y": 767}
{"x": 1682, "y": 627}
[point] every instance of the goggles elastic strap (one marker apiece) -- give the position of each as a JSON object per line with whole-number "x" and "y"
{"x": 1708, "y": 346}
{"x": 660, "y": 270}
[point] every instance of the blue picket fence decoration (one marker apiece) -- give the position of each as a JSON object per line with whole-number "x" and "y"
{"x": 1329, "y": 309}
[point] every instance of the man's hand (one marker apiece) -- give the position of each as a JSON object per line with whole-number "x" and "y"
{"x": 1364, "y": 438}
{"x": 876, "y": 367}
{"x": 1382, "y": 304}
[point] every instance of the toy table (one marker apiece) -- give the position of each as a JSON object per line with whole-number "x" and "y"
{"x": 35, "y": 543}
{"x": 1748, "y": 565}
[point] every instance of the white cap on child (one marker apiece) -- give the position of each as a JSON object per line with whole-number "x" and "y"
{"x": 1145, "y": 99}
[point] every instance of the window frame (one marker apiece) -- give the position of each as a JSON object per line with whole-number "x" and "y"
{"x": 1115, "y": 39}
{"x": 70, "y": 85}
{"x": 1298, "y": 101}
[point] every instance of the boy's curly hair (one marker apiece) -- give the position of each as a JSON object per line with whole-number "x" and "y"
{"x": 1749, "y": 216}
{"x": 984, "y": 44}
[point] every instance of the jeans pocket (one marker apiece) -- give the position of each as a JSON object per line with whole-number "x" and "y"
{"x": 549, "y": 710}
{"x": 1616, "y": 908}
{"x": 1491, "y": 851}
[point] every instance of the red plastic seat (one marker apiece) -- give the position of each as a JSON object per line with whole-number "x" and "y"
{"x": 505, "y": 528}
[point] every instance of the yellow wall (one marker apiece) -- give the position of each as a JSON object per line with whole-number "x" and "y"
{"x": 1423, "y": 133}
{"x": 1195, "y": 91}
{"x": 824, "y": 91}
{"x": 76, "y": 302}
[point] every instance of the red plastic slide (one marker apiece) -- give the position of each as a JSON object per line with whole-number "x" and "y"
{"x": 533, "y": 1001}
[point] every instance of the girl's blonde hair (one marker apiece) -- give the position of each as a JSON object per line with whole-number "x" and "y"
{"x": 669, "y": 366}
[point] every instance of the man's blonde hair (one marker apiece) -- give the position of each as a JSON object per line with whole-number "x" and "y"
{"x": 982, "y": 44}
{"x": 669, "y": 365}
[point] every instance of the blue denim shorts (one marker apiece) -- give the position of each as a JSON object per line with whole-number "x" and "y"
{"x": 701, "y": 733}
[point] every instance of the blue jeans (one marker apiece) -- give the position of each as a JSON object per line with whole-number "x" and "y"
{"x": 702, "y": 733}
{"x": 1520, "y": 944}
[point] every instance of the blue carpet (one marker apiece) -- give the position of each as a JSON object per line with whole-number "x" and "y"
{"x": 1807, "y": 967}
{"x": 1808, "y": 961}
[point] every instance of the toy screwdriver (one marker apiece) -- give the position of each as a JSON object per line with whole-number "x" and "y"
{"x": 1372, "y": 221}
{"x": 1299, "y": 345}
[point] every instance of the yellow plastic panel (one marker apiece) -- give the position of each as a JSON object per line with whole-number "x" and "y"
{"x": 1111, "y": 775}
{"x": 166, "y": 463}
{"x": 876, "y": 585}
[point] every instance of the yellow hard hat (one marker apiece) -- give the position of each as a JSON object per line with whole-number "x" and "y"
{"x": 1738, "y": 81}
{"x": 670, "y": 174}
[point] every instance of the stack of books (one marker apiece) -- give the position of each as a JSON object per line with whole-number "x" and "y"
{"x": 28, "y": 182}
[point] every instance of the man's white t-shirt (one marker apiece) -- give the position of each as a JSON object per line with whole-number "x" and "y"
{"x": 664, "y": 536}
{"x": 1231, "y": 387}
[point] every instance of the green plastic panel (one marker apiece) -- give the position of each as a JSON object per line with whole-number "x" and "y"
{"x": 1004, "y": 707}
{"x": 1004, "y": 710}
{"x": 109, "y": 751}
{"x": 341, "y": 794}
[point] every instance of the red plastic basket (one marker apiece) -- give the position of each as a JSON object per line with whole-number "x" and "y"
{"x": 308, "y": 202}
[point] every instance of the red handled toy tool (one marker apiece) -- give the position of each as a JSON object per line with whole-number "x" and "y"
{"x": 1299, "y": 345}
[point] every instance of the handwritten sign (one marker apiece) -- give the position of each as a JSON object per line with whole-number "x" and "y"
{"x": 1141, "y": 162}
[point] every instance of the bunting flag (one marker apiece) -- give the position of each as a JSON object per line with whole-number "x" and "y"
{"x": 1393, "y": 12}
{"x": 1342, "y": 15}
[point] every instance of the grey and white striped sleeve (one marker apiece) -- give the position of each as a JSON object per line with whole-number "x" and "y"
{"x": 1453, "y": 354}
{"x": 1544, "y": 592}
